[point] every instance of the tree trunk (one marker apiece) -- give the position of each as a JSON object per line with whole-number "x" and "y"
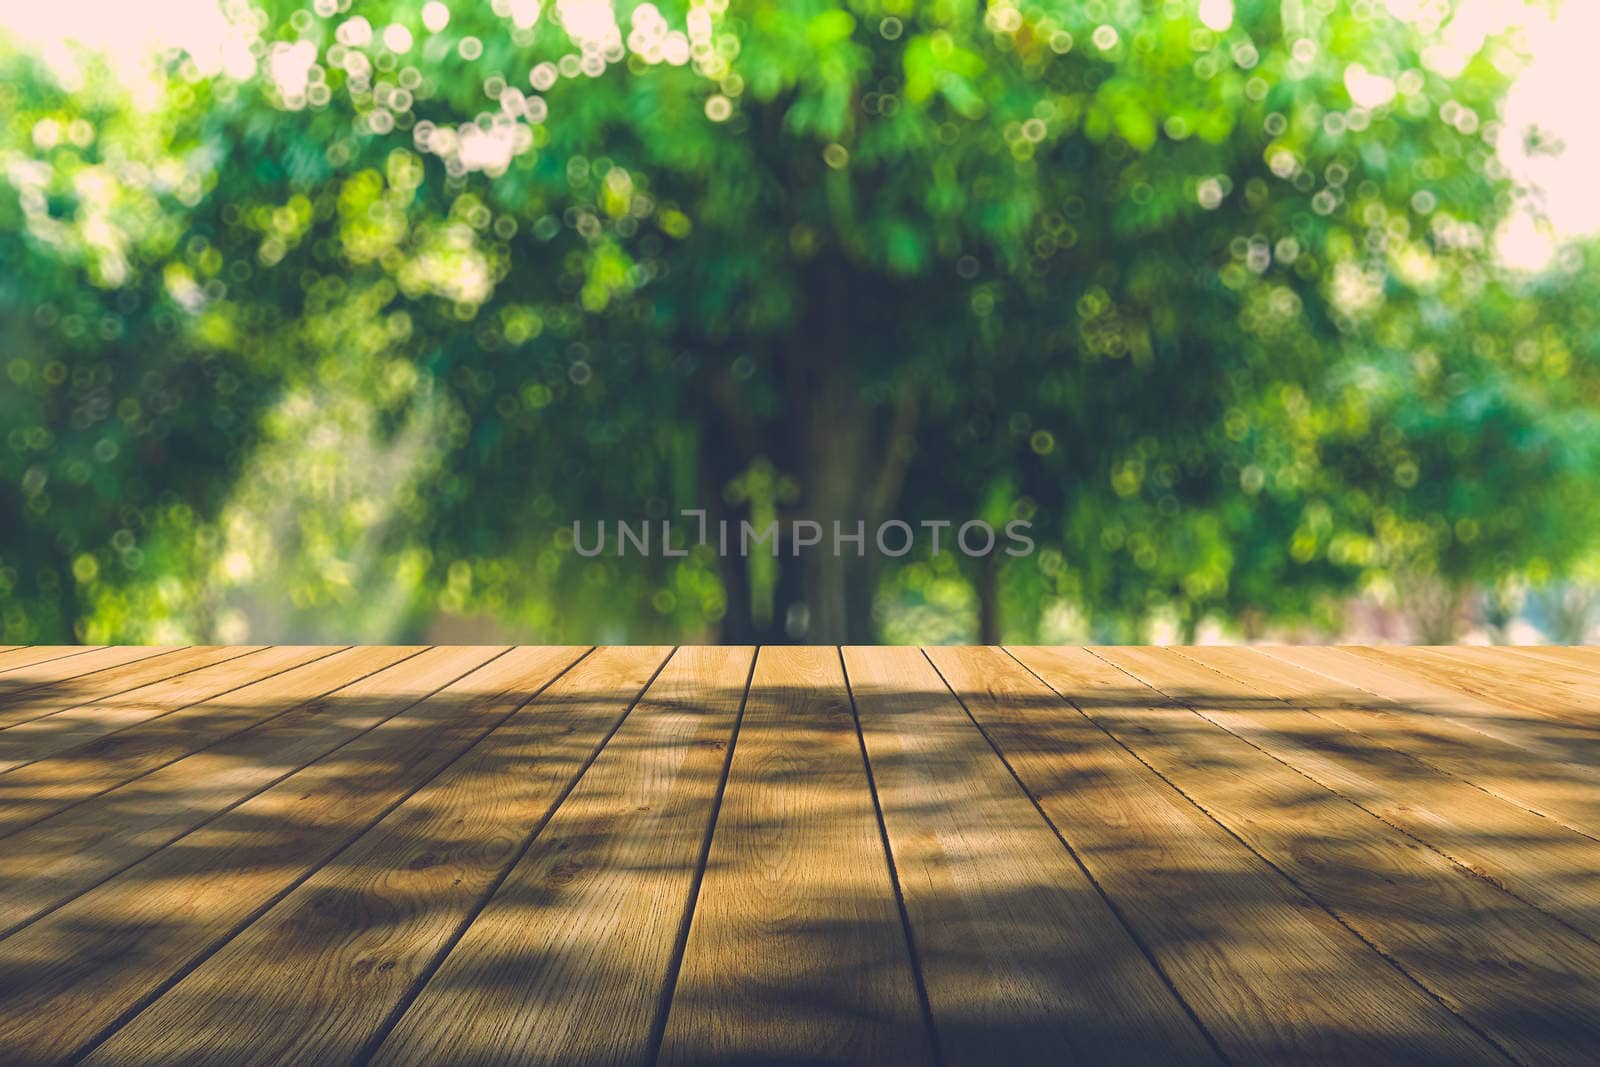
{"x": 989, "y": 601}
{"x": 849, "y": 460}
{"x": 833, "y": 427}
{"x": 725, "y": 453}
{"x": 834, "y": 477}
{"x": 1434, "y": 606}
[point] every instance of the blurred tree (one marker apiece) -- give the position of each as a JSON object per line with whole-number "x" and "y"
{"x": 116, "y": 405}
{"x": 1208, "y": 295}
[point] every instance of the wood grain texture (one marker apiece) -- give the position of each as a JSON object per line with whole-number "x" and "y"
{"x": 316, "y": 978}
{"x": 1271, "y": 975}
{"x": 1542, "y": 861}
{"x": 797, "y": 941}
{"x": 1558, "y": 691}
{"x": 65, "y": 728}
{"x": 28, "y": 707}
{"x": 1586, "y": 659}
{"x": 62, "y": 676}
{"x": 1395, "y": 671}
{"x": 1023, "y": 960}
{"x": 62, "y": 856}
{"x": 24, "y": 655}
{"x": 1514, "y": 755}
{"x": 569, "y": 960}
{"x": 1533, "y": 669}
{"x": 83, "y": 968}
{"x": 531, "y": 855}
{"x": 38, "y": 790}
{"x": 1456, "y": 933}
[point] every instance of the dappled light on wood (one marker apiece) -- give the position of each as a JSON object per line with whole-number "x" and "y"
{"x": 789, "y": 854}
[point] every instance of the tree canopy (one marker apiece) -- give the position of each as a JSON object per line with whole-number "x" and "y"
{"x": 341, "y": 334}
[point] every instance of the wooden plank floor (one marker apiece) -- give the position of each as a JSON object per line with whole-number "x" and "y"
{"x": 799, "y": 855}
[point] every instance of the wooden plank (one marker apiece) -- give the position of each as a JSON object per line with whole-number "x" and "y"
{"x": 25, "y": 655}
{"x": 1565, "y": 694}
{"x": 1455, "y": 932}
{"x": 797, "y": 942}
{"x": 65, "y": 730}
{"x": 1271, "y": 975}
{"x": 571, "y": 957}
{"x": 1537, "y": 663}
{"x": 38, "y": 790}
{"x": 316, "y": 977}
{"x": 1023, "y": 959}
{"x": 30, "y": 706}
{"x": 1584, "y": 658}
{"x": 1542, "y": 861}
{"x": 70, "y": 978}
{"x": 60, "y": 857}
{"x": 1507, "y": 753}
{"x": 67, "y": 675}
{"x": 1435, "y": 686}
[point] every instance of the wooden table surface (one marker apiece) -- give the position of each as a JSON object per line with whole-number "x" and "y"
{"x": 875, "y": 855}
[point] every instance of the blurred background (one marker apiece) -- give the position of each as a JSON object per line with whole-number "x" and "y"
{"x": 324, "y": 322}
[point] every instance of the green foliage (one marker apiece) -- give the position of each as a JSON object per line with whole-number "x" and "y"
{"x": 338, "y": 348}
